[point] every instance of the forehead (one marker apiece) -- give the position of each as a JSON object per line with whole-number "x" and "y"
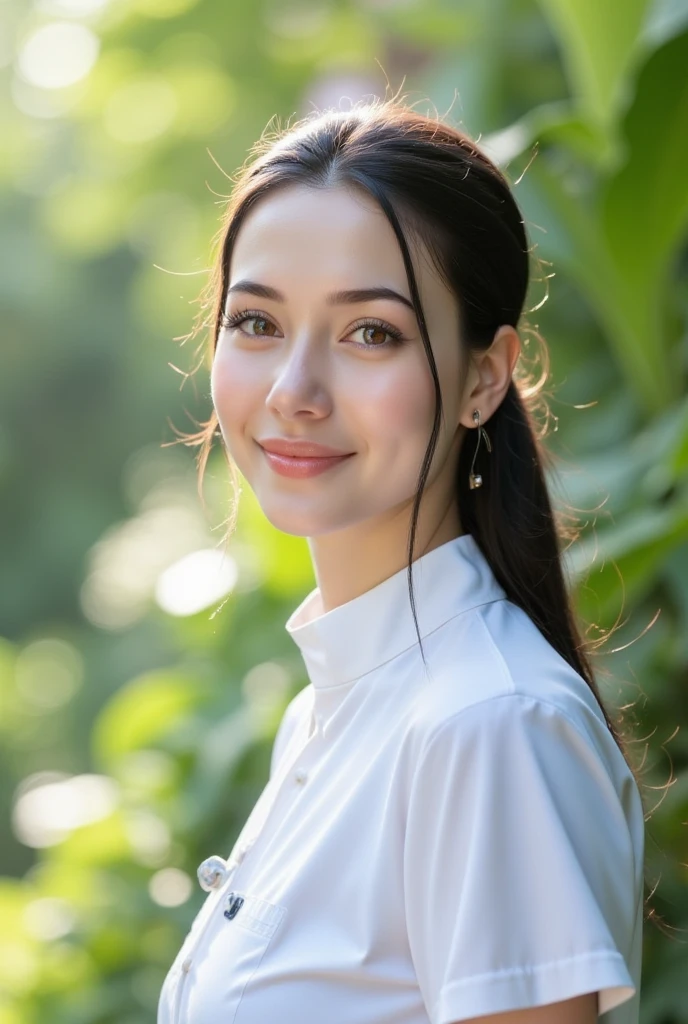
{"x": 324, "y": 233}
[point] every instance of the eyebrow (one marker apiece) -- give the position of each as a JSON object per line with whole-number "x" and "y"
{"x": 349, "y": 296}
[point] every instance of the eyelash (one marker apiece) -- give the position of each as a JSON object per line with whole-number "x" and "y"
{"x": 395, "y": 336}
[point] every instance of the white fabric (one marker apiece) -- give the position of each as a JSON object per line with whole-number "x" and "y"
{"x": 429, "y": 847}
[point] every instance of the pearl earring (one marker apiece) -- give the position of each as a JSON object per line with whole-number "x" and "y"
{"x": 475, "y": 479}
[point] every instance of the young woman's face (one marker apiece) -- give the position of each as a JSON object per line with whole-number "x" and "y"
{"x": 313, "y": 364}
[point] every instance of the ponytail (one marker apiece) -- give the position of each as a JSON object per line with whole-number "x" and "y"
{"x": 512, "y": 521}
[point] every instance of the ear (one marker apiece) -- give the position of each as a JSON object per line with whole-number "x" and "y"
{"x": 490, "y": 374}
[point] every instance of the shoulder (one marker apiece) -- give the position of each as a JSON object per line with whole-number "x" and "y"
{"x": 506, "y": 723}
{"x": 492, "y": 670}
{"x": 522, "y": 816}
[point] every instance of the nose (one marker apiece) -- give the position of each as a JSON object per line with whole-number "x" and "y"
{"x": 300, "y": 387}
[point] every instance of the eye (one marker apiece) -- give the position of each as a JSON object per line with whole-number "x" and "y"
{"x": 374, "y": 333}
{"x": 262, "y": 326}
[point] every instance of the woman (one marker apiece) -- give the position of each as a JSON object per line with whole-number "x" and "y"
{"x": 451, "y": 829}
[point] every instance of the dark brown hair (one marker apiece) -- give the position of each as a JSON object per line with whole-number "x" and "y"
{"x": 434, "y": 184}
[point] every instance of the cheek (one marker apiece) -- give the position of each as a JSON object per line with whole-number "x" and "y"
{"x": 232, "y": 388}
{"x": 397, "y": 408}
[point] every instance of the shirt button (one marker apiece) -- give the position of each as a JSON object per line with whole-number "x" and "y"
{"x": 212, "y": 873}
{"x": 242, "y": 850}
{"x": 300, "y": 775}
{"x": 186, "y": 965}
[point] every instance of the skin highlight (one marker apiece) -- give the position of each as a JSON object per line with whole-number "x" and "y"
{"x": 308, "y": 368}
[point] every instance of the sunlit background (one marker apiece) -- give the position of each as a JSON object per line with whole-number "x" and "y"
{"x": 144, "y": 665}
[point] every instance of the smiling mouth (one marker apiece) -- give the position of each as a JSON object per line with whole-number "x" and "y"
{"x": 300, "y": 466}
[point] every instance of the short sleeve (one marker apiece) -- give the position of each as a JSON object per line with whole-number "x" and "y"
{"x": 519, "y": 868}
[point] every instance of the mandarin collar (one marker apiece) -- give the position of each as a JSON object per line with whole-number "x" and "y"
{"x": 347, "y": 642}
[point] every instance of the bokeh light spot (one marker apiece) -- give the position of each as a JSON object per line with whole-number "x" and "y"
{"x": 49, "y": 918}
{"x": 48, "y": 673}
{"x": 58, "y": 54}
{"x": 195, "y": 582}
{"x": 170, "y": 887}
{"x": 45, "y": 812}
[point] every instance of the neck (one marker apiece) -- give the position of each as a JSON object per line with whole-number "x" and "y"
{"x": 349, "y": 562}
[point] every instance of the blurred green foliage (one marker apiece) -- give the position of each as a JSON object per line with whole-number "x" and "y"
{"x": 136, "y": 725}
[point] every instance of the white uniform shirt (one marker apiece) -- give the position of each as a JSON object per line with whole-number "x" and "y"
{"x": 428, "y": 848}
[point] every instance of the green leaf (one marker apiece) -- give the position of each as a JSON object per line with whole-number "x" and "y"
{"x": 617, "y": 238}
{"x": 645, "y": 208}
{"x": 558, "y": 124}
{"x": 633, "y": 473}
{"x": 98, "y": 844}
{"x": 599, "y": 41}
{"x": 666, "y": 18}
{"x": 224, "y": 744}
{"x": 567, "y": 234}
{"x": 664, "y": 998}
{"x": 619, "y": 249}
{"x": 620, "y": 565}
{"x": 144, "y": 711}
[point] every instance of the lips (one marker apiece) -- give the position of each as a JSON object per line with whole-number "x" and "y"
{"x": 301, "y": 449}
{"x": 300, "y": 467}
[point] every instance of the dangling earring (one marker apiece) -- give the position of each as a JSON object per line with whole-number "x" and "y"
{"x": 475, "y": 479}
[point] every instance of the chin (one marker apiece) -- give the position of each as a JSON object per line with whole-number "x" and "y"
{"x": 303, "y": 525}
{"x": 297, "y": 525}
